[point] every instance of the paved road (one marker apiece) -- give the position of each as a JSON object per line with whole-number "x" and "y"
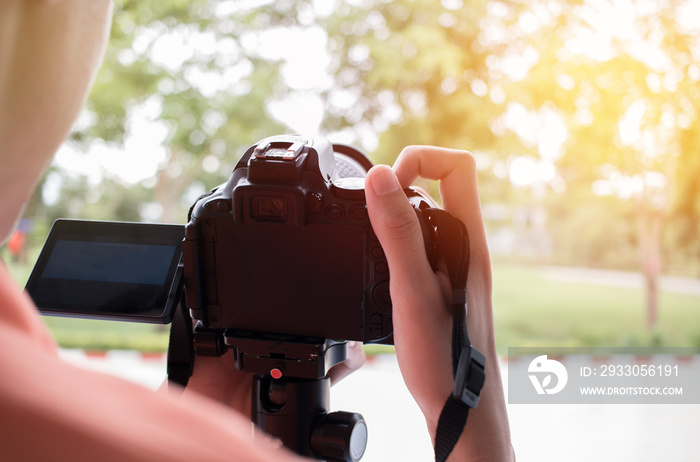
{"x": 541, "y": 433}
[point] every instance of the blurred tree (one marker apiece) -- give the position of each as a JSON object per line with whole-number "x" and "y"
{"x": 524, "y": 85}
{"x": 684, "y": 241}
{"x": 607, "y": 91}
{"x": 180, "y": 69}
{"x": 415, "y": 72}
{"x": 623, "y": 76}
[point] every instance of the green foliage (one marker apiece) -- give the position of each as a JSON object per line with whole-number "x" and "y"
{"x": 646, "y": 75}
{"x": 593, "y": 232}
{"x": 185, "y": 67}
{"x": 406, "y": 70}
{"x": 419, "y": 72}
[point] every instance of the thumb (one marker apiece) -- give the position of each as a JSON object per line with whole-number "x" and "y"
{"x": 419, "y": 328}
{"x": 396, "y": 224}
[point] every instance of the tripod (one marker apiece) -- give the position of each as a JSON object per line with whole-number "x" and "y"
{"x": 291, "y": 394}
{"x": 291, "y": 387}
{"x": 296, "y": 412}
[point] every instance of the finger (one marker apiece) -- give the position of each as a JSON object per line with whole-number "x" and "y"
{"x": 456, "y": 171}
{"x": 356, "y": 358}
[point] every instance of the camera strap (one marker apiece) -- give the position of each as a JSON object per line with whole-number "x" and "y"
{"x": 468, "y": 364}
{"x": 180, "y": 347}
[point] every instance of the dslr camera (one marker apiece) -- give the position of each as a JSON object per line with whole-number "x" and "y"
{"x": 284, "y": 247}
{"x": 279, "y": 264}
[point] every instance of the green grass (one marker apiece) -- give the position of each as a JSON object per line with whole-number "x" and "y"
{"x": 529, "y": 309}
{"x": 108, "y": 335}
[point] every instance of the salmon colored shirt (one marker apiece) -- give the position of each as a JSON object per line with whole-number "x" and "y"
{"x": 51, "y": 410}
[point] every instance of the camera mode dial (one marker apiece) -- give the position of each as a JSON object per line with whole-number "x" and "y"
{"x": 352, "y": 188}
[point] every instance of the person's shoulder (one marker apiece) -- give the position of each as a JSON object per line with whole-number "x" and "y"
{"x": 50, "y": 407}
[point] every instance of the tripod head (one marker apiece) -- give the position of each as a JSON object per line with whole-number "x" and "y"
{"x": 291, "y": 387}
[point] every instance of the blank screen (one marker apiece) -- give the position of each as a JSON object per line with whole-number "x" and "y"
{"x": 107, "y": 269}
{"x": 109, "y": 262}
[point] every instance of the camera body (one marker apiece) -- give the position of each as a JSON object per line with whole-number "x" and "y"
{"x": 279, "y": 264}
{"x": 286, "y": 248}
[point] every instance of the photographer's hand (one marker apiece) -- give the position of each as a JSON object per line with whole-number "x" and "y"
{"x": 421, "y": 315}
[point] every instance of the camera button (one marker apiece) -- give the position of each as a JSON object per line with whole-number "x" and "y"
{"x": 223, "y": 206}
{"x": 314, "y": 201}
{"x": 381, "y": 295}
{"x": 359, "y": 212}
{"x": 334, "y": 212}
{"x": 376, "y": 325}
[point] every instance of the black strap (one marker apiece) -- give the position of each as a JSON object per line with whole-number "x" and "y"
{"x": 468, "y": 364}
{"x": 180, "y": 346}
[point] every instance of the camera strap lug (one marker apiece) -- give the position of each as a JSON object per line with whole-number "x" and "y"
{"x": 208, "y": 341}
